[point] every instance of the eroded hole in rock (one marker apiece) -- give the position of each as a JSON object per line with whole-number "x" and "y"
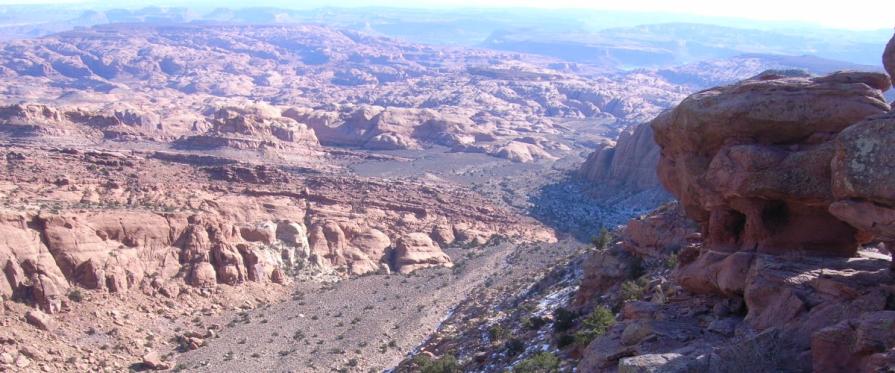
{"x": 735, "y": 224}
{"x": 775, "y": 216}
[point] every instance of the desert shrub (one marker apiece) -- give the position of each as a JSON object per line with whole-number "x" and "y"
{"x": 632, "y": 290}
{"x": 76, "y": 296}
{"x": 541, "y": 362}
{"x": 671, "y": 261}
{"x": 497, "y": 333}
{"x": 602, "y": 240}
{"x": 444, "y": 364}
{"x": 563, "y": 319}
{"x": 595, "y": 325}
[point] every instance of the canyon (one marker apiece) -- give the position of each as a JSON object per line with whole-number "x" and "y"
{"x": 239, "y": 196}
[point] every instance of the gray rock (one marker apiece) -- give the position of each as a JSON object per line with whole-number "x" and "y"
{"x": 655, "y": 363}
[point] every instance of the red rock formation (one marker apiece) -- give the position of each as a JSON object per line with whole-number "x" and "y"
{"x": 750, "y": 161}
{"x": 251, "y": 127}
{"x": 784, "y": 174}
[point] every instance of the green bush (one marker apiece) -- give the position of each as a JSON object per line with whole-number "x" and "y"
{"x": 603, "y": 240}
{"x": 595, "y": 325}
{"x": 632, "y": 290}
{"x": 541, "y": 362}
{"x": 497, "y": 333}
{"x": 671, "y": 261}
{"x": 444, "y": 364}
{"x": 76, "y": 296}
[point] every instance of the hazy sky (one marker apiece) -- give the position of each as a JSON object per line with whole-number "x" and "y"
{"x": 853, "y": 14}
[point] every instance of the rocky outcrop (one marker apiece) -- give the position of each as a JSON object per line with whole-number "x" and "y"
{"x": 787, "y": 177}
{"x": 259, "y": 174}
{"x": 361, "y": 249}
{"x": 863, "y": 176}
{"x": 750, "y": 161}
{"x": 44, "y": 255}
{"x": 38, "y": 120}
{"x": 415, "y": 251}
{"x": 249, "y": 127}
{"x": 628, "y": 165}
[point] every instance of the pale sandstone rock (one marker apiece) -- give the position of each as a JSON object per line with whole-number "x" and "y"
{"x": 629, "y": 164}
{"x": 39, "y": 320}
{"x": 153, "y": 360}
{"x": 653, "y": 363}
{"x": 443, "y": 234}
{"x": 416, "y": 251}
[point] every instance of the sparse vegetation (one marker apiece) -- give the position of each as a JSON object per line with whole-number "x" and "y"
{"x": 602, "y": 240}
{"x": 541, "y": 362}
{"x": 671, "y": 261}
{"x": 75, "y": 295}
{"x": 497, "y": 333}
{"x": 595, "y": 325}
{"x": 444, "y": 364}
{"x": 534, "y": 322}
{"x": 632, "y": 290}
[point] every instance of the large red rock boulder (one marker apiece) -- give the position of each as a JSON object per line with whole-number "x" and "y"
{"x": 863, "y": 176}
{"x": 750, "y": 161}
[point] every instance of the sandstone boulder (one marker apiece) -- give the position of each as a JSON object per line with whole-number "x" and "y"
{"x": 662, "y": 232}
{"x": 443, "y": 234}
{"x": 152, "y": 360}
{"x": 39, "y": 319}
{"x": 863, "y": 176}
